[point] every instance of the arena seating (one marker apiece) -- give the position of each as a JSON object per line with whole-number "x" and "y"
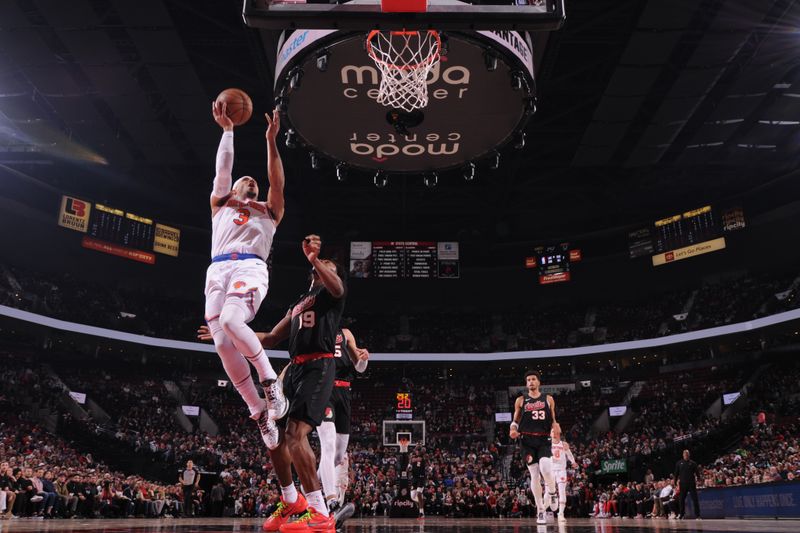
{"x": 154, "y": 311}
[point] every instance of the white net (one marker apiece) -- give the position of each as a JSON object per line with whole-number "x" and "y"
{"x": 405, "y": 58}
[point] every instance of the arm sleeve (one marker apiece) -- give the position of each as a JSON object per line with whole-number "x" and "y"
{"x": 570, "y": 457}
{"x": 222, "y": 181}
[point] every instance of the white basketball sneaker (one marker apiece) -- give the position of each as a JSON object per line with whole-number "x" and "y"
{"x": 276, "y": 402}
{"x": 269, "y": 430}
{"x": 540, "y": 518}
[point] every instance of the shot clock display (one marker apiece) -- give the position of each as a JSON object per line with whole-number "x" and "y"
{"x": 404, "y": 409}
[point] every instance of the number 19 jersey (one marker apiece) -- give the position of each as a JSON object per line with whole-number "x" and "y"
{"x": 315, "y": 323}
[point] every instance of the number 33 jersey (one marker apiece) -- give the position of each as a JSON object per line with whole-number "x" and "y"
{"x": 536, "y": 416}
{"x": 315, "y": 322}
{"x": 243, "y": 228}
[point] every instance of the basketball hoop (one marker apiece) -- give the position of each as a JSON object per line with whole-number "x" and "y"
{"x": 405, "y": 58}
{"x": 403, "y": 445}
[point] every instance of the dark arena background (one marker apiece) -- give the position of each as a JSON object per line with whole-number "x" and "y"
{"x": 604, "y": 192}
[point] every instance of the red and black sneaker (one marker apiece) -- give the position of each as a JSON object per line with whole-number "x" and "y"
{"x": 311, "y": 521}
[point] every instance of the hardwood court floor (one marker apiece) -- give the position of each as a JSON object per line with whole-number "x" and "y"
{"x": 386, "y": 525}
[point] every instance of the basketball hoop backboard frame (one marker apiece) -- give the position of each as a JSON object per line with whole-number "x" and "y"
{"x": 367, "y": 15}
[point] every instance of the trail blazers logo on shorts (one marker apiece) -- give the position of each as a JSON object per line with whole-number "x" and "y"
{"x": 239, "y": 284}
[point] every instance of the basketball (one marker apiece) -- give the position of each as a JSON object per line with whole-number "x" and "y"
{"x": 239, "y": 105}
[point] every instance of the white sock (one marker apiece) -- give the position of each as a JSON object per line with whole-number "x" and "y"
{"x": 289, "y": 493}
{"x": 536, "y": 485}
{"x": 342, "y": 480}
{"x": 327, "y": 468}
{"x": 316, "y": 501}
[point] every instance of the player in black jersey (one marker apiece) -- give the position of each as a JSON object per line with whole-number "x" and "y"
{"x": 334, "y": 431}
{"x": 310, "y": 325}
{"x": 418, "y": 481}
{"x": 534, "y": 418}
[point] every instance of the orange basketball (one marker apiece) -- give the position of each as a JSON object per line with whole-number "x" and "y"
{"x": 239, "y": 105}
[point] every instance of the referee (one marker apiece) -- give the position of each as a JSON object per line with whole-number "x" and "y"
{"x": 685, "y": 473}
{"x": 189, "y": 480}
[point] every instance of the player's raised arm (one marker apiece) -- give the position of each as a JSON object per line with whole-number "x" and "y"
{"x": 513, "y": 432}
{"x": 223, "y": 178}
{"x": 327, "y": 274}
{"x": 274, "y": 167}
{"x": 359, "y": 356}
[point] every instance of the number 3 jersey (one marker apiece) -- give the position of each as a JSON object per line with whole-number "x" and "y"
{"x": 243, "y": 228}
{"x": 315, "y": 322}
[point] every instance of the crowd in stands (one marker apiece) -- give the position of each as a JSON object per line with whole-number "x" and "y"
{"x": 472, "y": 470}
{"x": 151, "y": 311}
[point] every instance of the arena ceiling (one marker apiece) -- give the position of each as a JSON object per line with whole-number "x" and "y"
{"x": 646, "y": 107}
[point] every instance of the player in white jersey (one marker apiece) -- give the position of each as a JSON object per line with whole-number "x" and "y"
{"x": 560, "y": 455}
{"x": 237, "y": 279}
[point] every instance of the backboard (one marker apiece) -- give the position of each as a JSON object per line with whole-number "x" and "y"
{"x": 394, "y": 430}
{"x": 366, "y": 15}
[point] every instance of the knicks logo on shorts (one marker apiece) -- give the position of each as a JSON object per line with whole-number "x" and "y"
{"x": 239, "y": 284}
{"x": 328, "y": 412}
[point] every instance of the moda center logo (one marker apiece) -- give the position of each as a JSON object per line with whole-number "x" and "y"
{"x": 381, "y": 147}
{"x": 456, "y": 77}
{"x": 363, "y": 80}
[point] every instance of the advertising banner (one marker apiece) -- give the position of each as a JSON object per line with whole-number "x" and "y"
{"x": 768, "y": 500}
{"x": 74, "y": 214}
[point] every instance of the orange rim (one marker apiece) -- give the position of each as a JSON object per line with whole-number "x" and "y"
{"x": 413, "y": 66}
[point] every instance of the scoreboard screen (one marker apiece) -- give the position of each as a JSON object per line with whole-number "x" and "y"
{"x": 404, "y": 259}
{"x": 685, "y": 235}
{"x": 116, "y": 232}
{"x": 553, "y": 262}
{"x": 117, "y": 226}
{"x": 683, "y": 230}
{"x": 404, "y": 408}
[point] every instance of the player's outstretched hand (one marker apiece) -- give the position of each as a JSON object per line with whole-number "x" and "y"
{"x": 273, "y": 125}
{"x": 204, "y": 334}
{"x": 311, "y": 247}
{"x": 513, "y": 433}
{"x": 220, "y": 112}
